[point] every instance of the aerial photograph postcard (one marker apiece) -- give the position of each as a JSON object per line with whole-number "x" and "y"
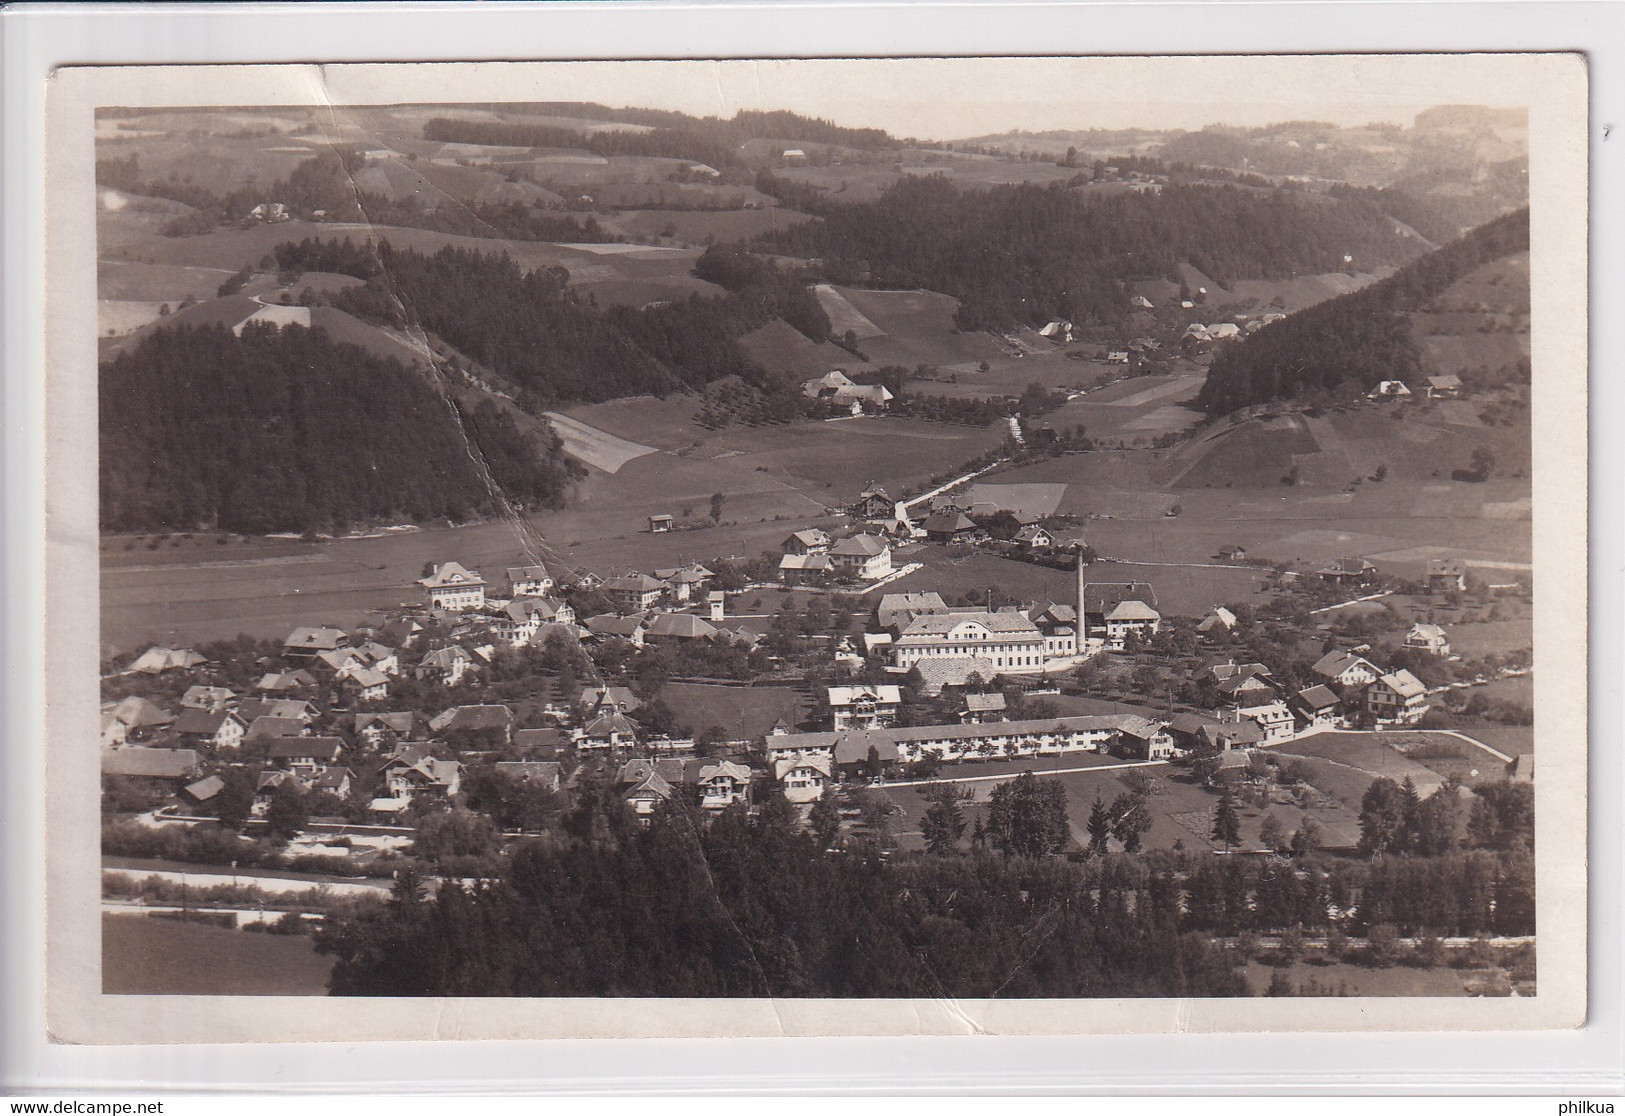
{"x": 600, "y": 543}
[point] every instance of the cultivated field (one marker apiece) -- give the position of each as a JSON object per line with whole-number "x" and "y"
{"x": 148, "y": 956}
{"x": 743, "y": 712}
{"x": 697, "y": 227}
{"x": 593, "y": 446}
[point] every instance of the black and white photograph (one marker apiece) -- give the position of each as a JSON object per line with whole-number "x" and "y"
{"x": 982, "y": 532}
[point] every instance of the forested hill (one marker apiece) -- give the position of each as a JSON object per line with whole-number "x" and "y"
{"x": 673, "y": 135}
{"x": 1346, "y": 346}
{"x": 555, "y": 346}
{"x": 286, "y": 430}
{"x": 1027, "y": 254}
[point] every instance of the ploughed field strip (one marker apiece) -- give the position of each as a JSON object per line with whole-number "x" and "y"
{"x": 593, "y": 446}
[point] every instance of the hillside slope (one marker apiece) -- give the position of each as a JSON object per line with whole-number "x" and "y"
{"x": 1343, "y": 348}
{"x": 291, "y": 430}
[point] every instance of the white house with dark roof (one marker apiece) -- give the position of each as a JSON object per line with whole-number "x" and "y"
{"x": 867, "y": 557}
{"x": 1274, "y": 720}
{"x": 1428, "y": 637}
{"x": 307, "y": 643}
{"x": 864, "y": 706}
{"x": 529, "y": 581}
{"x": 446, "y": 665}
{"x": 1345, "y": 669}
{"x": 812, "y": 540}
{"x": 635, "y": 592}
{"x": 981, "y": 707}
{"x": 723, "y": 784}
{"x": 221, "y": 729}
{"x": 412, "y": 771}
{"x": 1398, "y": 698}
{"x": 451, "y": 587}
{"x": 305, "y": 756}
{"x": 803, "y": 778}
{"x": 1316, "y": 706}
{"x": 685, "y": 583}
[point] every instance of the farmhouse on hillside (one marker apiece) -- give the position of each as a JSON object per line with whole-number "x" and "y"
{"x": 836, "y": 387}
{"x": 1447, "y": 386}
{"x": 874, "y": 505}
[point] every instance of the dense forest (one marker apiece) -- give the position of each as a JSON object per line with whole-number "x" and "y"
{"x": 286, "y": 430}
{"x": 557, "y": 346}
{"x": 754, "y": 906}
{"x": 1027, "y": 254}
{"x": 1345, "y": 346}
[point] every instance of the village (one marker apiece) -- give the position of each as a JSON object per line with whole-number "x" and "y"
{"x": 491, "y": 689}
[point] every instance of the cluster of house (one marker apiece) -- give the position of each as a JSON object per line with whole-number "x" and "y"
{"x": 1447, "y": 386}
{"x": 884, "y": 523}
{"x": 1251, "y": 710}
{"x": 813, "y": 553}
{"x": 651, "y": 609}
{"x": 838, "y": 388}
